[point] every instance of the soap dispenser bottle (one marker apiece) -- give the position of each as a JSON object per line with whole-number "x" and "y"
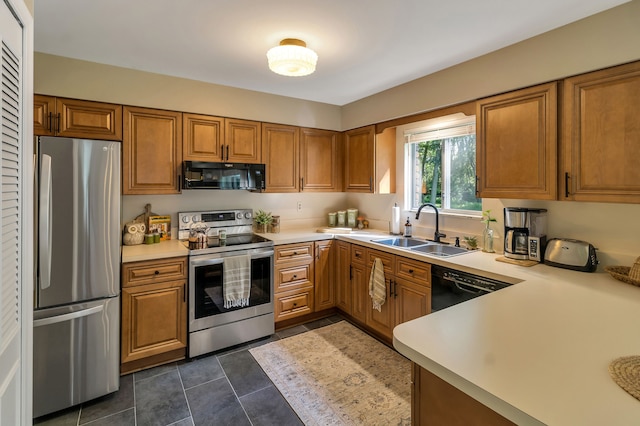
{"x": 407, "y": 228}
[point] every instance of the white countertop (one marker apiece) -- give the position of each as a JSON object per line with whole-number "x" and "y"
{"x": 536, "y": 352}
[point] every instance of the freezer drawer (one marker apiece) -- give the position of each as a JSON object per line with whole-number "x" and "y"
{"x": 76, "y": 354}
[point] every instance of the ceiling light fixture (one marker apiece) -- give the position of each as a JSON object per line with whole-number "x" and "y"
{"x": 292, "y": 58}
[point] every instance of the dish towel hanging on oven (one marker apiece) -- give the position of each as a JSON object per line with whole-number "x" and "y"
{"x": 236, "y": 281}
{"x": 377, "y": 285}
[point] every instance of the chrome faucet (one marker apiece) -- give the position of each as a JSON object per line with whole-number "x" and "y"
{"x": 437, "y": 235}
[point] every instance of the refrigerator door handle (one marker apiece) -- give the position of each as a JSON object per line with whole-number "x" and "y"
{"x": 68, "y": 317}
{"x": 45, "y": 214}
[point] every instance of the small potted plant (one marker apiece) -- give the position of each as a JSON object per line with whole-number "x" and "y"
{"x": 487, "y": 233}
{"x": 471, "y": 242}
{"x": 263, "y": 219}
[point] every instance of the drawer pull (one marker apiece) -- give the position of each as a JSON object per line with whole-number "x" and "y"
{"x": 357, "y": 254}
{"x": 157, "y": 272}
{"x": 294, "y": 277}
{"x": 295, "y": 304}
{"x": 411, "y": 271}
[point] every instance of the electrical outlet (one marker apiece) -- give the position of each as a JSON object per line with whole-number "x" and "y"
{"x": 299, "y": 205}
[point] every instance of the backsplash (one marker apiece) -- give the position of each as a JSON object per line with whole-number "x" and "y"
{"x": 612, "y": 228}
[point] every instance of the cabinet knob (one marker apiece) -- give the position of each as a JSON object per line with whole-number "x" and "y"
{"x": 156, "y": 272}
{"x": 294, "y": 277}
{"x": 411, "y": 271}
{"x": 295, "y": 304}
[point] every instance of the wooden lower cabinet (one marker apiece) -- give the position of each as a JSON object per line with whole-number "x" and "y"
{"x": 154, "y": 313}
{"x": 294, "y": 280}
{"x": 343, "y": 288}
{"x": 325, "y": 263}
{"x": 408, "y": 287}
{"x": 436, "y": 402}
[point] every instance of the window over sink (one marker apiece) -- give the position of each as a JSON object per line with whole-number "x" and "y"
{"x": 440, "y": 163}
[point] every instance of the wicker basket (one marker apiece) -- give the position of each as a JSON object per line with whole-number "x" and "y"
{"x": 629, "y": 275}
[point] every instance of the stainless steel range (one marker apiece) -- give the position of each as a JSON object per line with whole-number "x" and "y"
{"x": 230, "y": 279}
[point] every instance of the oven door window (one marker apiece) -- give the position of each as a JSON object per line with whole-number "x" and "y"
{"x": 209, "y": 289}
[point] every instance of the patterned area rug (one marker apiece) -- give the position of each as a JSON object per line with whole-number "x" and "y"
{"x": 338, "y": 375}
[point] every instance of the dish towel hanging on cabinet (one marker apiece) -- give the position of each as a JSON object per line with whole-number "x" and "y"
{"x": 236, "y": 283}
{"x": 377, "y": 285}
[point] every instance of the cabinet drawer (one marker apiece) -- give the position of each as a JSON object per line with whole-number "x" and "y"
{"x": 358, "y": 254}
{"x": 387, "y": 260}
{"x": 293, "y": 303}
{"x": 413, "y": 270}
{"x": 293, "y": 277}
{"x": 154, "y": 271}
{"x": 294, "y": 252}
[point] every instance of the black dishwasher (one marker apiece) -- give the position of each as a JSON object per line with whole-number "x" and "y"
{"x": 450, "y": 287}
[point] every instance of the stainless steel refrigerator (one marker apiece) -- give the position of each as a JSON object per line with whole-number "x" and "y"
{"x": 76, "y": 319}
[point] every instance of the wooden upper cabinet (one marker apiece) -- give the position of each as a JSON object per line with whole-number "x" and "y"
{"x": 320, "y": 161}
{"x": 370, "y": 160}
{"x": 242, "y": 141}
{"x": 152, "y": 151}
{"x": 516, "y": 140}
{"x": 359, "y": 151}
{"x": 280, "y": 151}
{"x": 76, "y": 119}
{"x": 601, "y": 136}
{"x": 202, "y": 137}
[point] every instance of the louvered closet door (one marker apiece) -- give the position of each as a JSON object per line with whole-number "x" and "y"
{"x": 14, "y": 361}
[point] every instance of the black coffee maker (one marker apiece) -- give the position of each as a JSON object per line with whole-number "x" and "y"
{"x": 524, "y": 233}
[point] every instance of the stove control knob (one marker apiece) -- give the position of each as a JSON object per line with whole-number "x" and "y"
{"x": 239, "y": 215}
{"x": 195, "y": 218}
{"x": 247, "y": 215}
{"x": 186, "y": 219}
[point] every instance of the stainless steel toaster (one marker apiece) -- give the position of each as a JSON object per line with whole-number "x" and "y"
{"x": 571, "y": 254}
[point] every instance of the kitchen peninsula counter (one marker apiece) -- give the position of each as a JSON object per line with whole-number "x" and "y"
{"x": 536, "y": 352}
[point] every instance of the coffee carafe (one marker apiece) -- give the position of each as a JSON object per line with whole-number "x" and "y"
{"x": 524, "y": 233}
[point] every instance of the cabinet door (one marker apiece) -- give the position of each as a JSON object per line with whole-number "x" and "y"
{"x": 413, "y": 300}
{"x": 152, "y": 151}
{"x": 280, "y": 151}
{"x": 343, "y": 277}
{"x": 320, "y": 162}
{"x": 154, "y": 319}
{"x": 202, "y": 137}
{"x": 74, "y": 118}
{"x": 90, "y": 120}
{"x": 243, "y": 141}
{"x": 324, "y": 283}
{"x": 601, "y": 140}
{"x": 360, "y": 292}
{"x": 517, "y": 144}
{"x": 359, "y": 145}
{"x": 43, "y": 120}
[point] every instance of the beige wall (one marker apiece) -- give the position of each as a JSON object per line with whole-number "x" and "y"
{"x": 608, "y": 38}
{"x": 66, "y": 77}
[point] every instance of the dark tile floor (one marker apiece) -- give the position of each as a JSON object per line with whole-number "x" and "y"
{"x": 224, "y": 388}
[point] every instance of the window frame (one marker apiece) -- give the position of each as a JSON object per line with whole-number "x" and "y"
{"x": 438, "y": 128}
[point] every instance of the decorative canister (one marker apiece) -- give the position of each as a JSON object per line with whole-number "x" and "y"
{"x": 275, "y": 224}
{"x": 332, "y": 219}
{"x": 352, "y": 215}
{"x": 342, "y": 218}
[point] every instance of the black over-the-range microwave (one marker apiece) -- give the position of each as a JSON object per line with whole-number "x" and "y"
{"x": 206, "y": 175}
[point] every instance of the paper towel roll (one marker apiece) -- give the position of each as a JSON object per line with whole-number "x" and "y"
{"x": 395, "y": 220}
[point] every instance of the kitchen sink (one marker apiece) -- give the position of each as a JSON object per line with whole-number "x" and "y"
{"x": 440, "y": 250}
{"x": 402, "y": 242}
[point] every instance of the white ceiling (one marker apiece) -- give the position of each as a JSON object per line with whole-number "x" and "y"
{"x": 364, "y": 46}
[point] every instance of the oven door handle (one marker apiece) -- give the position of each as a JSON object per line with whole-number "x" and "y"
{"x": 205, "y": 262}
{"x": 262, "y": 254}
{"x": 467, "y": 288}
